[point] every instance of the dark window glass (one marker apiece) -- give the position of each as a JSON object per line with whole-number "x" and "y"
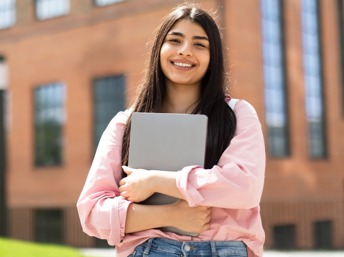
{"x": 3, "y": 190}
{"x": 314, "y": 97}
{"x": 276, "y": 114}
{"x": 49, "y": 226}
{"x": 101, "y": 243}
{"x": 284, "y": 237}
{"x": 108, "y": 99}
{"x": 49, "y": 118}
{"x": 340, "y": 14}
{"x": 323, "y": 235}
{"x": 46, "y": 9}
{"x": 7, "y": 13}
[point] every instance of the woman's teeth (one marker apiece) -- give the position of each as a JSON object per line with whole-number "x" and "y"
{"x": 182, "y": 64}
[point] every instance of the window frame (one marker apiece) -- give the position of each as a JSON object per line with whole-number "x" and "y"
{"x": 58, "y": 120}
{"x": 340, "y": 23}
{"x": 49, "y": 225}
{"x": 118, "y": 78}
{"x": 281, "y": 232}
{"x": 316, "y": 126}
{"x": 11, "y": 10}
{"x": 3, "y": 164}
{"x": 41, "y": 16}
{"x": 323, "y": 234}
{"x": 111, "y": 2}
{"x": 276, "y": 133}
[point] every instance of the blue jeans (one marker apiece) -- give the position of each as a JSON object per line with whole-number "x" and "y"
{"x": 162, "y": 247}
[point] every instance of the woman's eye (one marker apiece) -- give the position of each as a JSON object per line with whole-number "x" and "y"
{"x": 200, "y": 45}
{"x": 174, "y": 40}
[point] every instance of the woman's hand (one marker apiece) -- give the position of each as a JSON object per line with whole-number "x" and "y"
{"x": 136, "y": 187}
{"x": 192, "y": 219}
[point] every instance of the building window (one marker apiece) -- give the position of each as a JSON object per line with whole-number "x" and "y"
{"x": 49, "y": 118}
{"x": 323, "y": 235}
{"x": 108, "y": 99}
{"x": 276, "y": 114}
{"x": 49, "y": 226}
{"x": 7, "y": 13}
{"x": 107, "y": 2}
{"x": 340, "y": 15}
{"x": 46, "y": 9}
{"x": 314, "y": 95}
{"x": 3, "y": 74}
{"x": 284, "y": 237}
{"x": 3, "y": 164}
{"x": 3, "y": 147}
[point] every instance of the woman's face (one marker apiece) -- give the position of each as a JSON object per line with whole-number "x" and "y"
{"x": 185, "y": 55}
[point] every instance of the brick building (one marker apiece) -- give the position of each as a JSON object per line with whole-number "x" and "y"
{"x": 67, "y": 66}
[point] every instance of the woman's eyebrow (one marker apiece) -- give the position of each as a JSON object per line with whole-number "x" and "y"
{"x": 200, "y": 37}
{"x": 179, "y": 34}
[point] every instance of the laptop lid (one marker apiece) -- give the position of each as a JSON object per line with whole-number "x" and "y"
{"x": 167, "y": 141}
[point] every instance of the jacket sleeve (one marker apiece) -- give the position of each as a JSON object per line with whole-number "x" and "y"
{"x": 236, "y": 182}
{"x": 102, "y": 211}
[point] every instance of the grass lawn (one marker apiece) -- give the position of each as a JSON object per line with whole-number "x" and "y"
{"x": 14, "y": 248}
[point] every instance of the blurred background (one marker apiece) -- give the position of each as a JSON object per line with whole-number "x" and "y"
{"x": 68, "y": 66}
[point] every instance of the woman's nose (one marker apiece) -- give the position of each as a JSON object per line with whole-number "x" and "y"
{"x": 185, "y": 50}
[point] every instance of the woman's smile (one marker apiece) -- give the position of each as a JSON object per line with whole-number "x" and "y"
{"x": 182, "y": 64}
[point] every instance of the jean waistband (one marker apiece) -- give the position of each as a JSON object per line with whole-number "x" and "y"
{"x": 195, "y": 248}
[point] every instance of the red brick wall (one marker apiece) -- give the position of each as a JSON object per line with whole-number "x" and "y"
{"x": 96, "y": 41}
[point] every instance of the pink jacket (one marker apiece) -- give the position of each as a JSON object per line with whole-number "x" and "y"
{"x": 233, "y": 188}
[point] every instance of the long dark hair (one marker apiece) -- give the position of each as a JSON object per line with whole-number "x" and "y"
{"x": 221, "y": 118}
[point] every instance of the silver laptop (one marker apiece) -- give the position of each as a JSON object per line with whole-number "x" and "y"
{"x": 166, "y": 141}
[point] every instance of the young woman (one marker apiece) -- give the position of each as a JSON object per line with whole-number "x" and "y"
{"x": 219, "y": 201}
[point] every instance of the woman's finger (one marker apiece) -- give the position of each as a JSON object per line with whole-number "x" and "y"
{"x": 122, "y": 182}
{"x": 124, "y": 194}
{"x": 127, "y": 170}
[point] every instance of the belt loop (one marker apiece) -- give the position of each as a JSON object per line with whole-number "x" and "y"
{"x": 213, "y": 249}
{"x": 149, "y": 245}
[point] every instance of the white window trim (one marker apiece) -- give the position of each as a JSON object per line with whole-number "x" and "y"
{"x": 47, "y": 9}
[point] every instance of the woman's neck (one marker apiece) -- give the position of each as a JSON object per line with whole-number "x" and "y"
{"x": 180, "y": 99}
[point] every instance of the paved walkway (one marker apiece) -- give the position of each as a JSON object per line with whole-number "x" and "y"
{"x": 97, "y": 252}
{"x": 304, "y": 254}
{"x": 111, "y": 253}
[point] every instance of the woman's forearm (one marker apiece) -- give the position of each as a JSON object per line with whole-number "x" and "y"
{"x": 141, "y": 184}
{"x": 164, "y": 182}
{"x": 142, "y": 217}
{"x": 179, "y": 214}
